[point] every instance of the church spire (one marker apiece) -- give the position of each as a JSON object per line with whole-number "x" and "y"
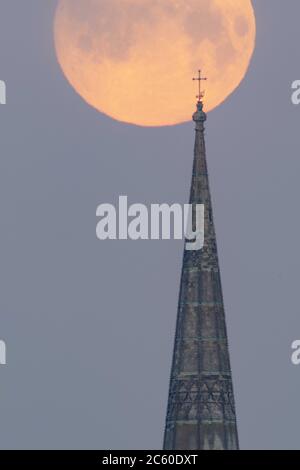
{"x": 201, "y": 410}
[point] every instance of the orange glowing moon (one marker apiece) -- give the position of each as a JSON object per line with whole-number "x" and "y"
{"x": 134, "y": 59}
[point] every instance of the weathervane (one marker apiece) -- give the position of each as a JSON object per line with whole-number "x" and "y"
{"x": 199, "y": 79}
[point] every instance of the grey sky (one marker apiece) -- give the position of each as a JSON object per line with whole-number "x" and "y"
{"x": 89, "y": 325}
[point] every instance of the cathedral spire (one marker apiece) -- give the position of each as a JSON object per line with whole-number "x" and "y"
{"x": 201, "y": 410}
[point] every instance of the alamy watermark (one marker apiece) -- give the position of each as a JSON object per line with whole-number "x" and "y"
{"x": 159, "y": 222}
{"x": 295, "y": 346}
{"x": 2, "y": 343}
{"x": 296, "y": 92}
{"x": 2, "y": 92}
{"x": 295, "y": 358}
{"x": 2, "y": 353}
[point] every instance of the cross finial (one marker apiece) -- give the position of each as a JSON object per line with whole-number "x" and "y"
{"x": 199, "y": 79}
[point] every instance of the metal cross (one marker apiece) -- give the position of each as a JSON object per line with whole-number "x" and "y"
{"x": 199, "y": 79}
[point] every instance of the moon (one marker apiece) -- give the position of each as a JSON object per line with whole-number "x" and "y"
{"x": 134, "y": 60}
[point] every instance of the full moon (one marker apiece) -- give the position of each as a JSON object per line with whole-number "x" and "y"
{"x": 134, "y": 60}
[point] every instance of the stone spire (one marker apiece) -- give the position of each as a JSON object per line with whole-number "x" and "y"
{"x": 201, "y": 410}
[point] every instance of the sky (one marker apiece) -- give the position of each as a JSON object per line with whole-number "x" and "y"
{"x": 89, "y": 325}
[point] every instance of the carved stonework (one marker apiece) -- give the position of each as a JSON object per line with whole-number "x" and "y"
{"x": 202, "y": 399}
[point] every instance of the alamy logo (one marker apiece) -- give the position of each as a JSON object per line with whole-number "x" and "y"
{"x": 296, "y": 93}
{"x": 2, "y": 353}
{"x": 2, "y": 92}
{"x": 161, "y": 222}
{"x": 295, "y": 358}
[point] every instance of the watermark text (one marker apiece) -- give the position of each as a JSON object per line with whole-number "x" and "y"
{"x": 295, "y": 358}
{"x": 2, "y": 92}
{"x": 159, "y": 222}
{"x": 296, "y": 92}
{"x": 2, "y": 353}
